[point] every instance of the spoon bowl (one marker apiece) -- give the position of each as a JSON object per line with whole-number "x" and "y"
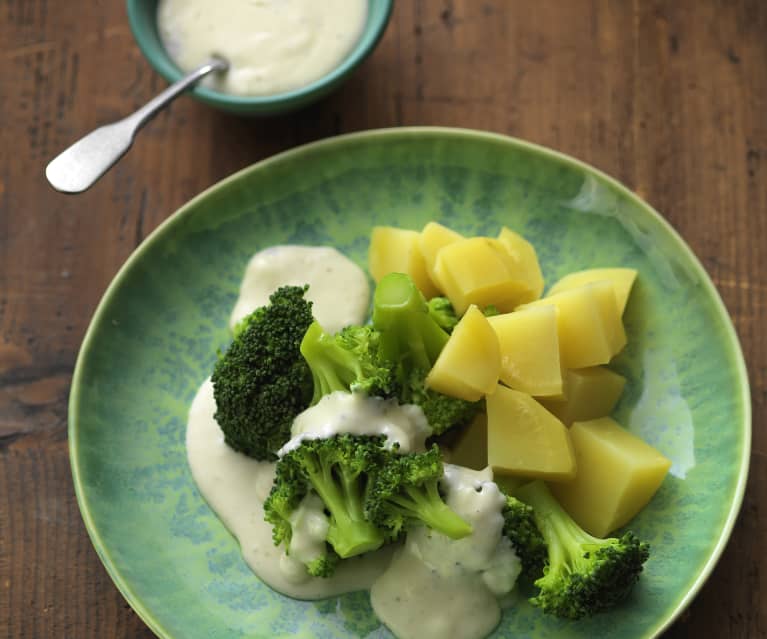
{"x": 142, "y": 15}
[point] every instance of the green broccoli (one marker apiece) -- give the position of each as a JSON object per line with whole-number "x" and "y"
{"x": 490, "y": 310}
{"x": 350, "y": 360}
{"x": 442, "y": 312}
{"x": 519, "y": 526}
{"x": 405, "y": 493}
{"x": 288, "y": 490}
{"x": 340, "y": 470}
{"x": 261, "y": 382}
{"x": 412, "y": 340}
{"x": 584, "y": 574}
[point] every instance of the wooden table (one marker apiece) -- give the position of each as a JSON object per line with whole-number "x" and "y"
{"x": 669, "y": 97}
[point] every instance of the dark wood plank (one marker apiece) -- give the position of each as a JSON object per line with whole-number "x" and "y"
{"x": 668, "y": 96}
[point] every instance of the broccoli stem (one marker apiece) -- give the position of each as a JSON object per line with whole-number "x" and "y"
{"x": 349, "y": 533}
{"x": 328, "y": 362}
{"x": 424, "y": 503}
{"x": 401, "y": 313}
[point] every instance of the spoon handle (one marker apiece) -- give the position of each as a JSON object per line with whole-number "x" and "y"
{"x": 77, "y": 168}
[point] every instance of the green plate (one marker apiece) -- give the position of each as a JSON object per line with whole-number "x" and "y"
{"x": 154, "y": 337}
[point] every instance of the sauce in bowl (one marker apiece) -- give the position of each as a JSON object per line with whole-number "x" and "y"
{"x": 273, "y": 46}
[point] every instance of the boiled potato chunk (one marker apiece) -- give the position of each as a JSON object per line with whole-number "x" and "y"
{"x": 530, "y": 350}
{"x": 525, "y": 439}
{"x": 434, "y": 237}
{"x": 589, "y": 326}
{"x": 478, "y": 270}
{"x": 525, "y": 259}
{"x": 622, "y": 280}
{"x": 395, "y": 250}
{"x": 617, "y": 476}
{"x": 470, "y": 449}
{"x": 470, "y": 363}
{"x": 589, "y": 393}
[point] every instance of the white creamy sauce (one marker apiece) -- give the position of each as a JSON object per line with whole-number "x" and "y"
{"x": 236, "y": 486}
{"x": 338, "y": 287}
{"x": 438, "y": 587}
{"x": 433, "y": 587}
{"x": 355, "y": 413}
{"x": 273, "y": 46}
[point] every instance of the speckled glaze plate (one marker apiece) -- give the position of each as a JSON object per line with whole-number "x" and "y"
{"x": 154, "y": 337}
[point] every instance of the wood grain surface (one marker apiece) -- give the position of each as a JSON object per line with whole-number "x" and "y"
{"x": 669, "y": 97}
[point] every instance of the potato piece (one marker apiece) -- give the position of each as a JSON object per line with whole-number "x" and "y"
{"x": 526, "y": 260}
{"x": 523, "y": 438}
{"x": 618, "y": 474}
{"x": 469, "y": 364}
{"x": 477, "y": 271}
{"x": 470, "y": 448}
{"x": 622, "y": 280}
{"x": 589, "y": 393}
{"x": 590, "y": 329}
{"x": 395, "y": 250}
{"x": 530, "y": 350}
{"x": 433, "y": 237}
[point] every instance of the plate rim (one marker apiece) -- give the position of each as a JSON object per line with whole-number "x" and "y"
{"x": 733, "y": 344}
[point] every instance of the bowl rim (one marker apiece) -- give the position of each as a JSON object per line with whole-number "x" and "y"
{"x": 166, "y": 227}
{"x": 166, "y": 67}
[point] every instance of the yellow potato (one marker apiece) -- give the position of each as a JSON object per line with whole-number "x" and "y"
{"x": 622, "y": 280}
{"x": 530, "y": 350}
{"x": 477, "y": 271}
{"x": 469, "y": 364}
{"x": 525, "y": 260}
{"x": 589, "y": 327}
{"x": 470, "y": 449}
{"x": 525, "y": 439}
{"x": 433, "y": 237}
{"x": 617, "y": 476}
{"x": 589, "y": 393}
{"x": 395, "y": 250}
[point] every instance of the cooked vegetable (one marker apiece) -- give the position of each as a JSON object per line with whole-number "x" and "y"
{"x": 589, "y": 393}
{"x": 340, "y": 470}
{"x": 617, "y": 476}
{"x": 405, "y": 493}
{"x": 524, "y": 439}
{"x": 412, "y": 340}
{"x": 434, "y": 237}
{"x": 479, "y": 270}
{"x": 622, "y": 280}
{"x": 261, "y": 382}
{"x": 352, "y": 360}
{"x": 584, "y": 575}
{"x": 588, "y": 323}
{"x": 520, "y": 527}
{"x": 470, "y": 446}
{"x": 394, "y": 250}
{"x": 529, "y": 350}
{"x": 525, "y": 260}
{"x": 469, "y": 364}
{"x": 442, "y": 312}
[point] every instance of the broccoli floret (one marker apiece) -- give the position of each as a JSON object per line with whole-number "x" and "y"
{"x": 325, "y": 565}
{"x": 288, "y": 491}
{"x": 442, "y": 411}
{"x": 261, "y": 382}
{"x": 350, "y": 360}
{"x": 406, "y": 493}
{"x": 340, "y": 471}
{"x": 442, "y": 312}
{"x": 412, "y": 340}
{"x": 585, "y": 574}
{"x": 519, "y": 526}
{"x": 490, "y": 310}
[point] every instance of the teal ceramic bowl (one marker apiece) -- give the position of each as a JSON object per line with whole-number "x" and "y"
{"x": 142, "y": 16}
{"x": 154, "y": 337}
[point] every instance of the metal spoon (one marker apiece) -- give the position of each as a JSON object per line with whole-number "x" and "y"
{"x": 78, "y": 167}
